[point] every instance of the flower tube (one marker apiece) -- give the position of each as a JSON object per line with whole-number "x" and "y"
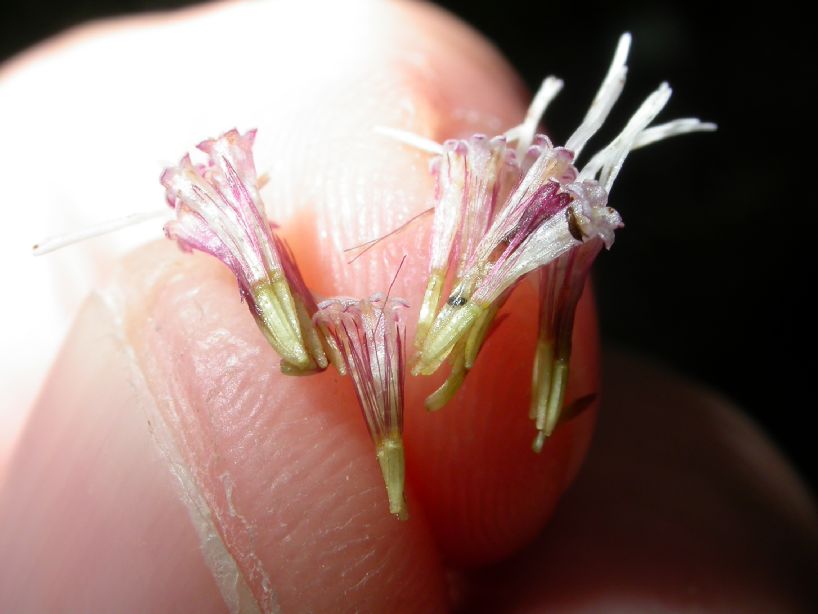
{"x": 370, "y": 338}
{"x": 219, "y": 211}
{"x": 555, "y": 220}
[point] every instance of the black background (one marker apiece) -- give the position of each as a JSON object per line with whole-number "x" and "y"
{"x": 711, "y": 273}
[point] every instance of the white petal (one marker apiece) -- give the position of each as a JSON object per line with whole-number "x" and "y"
{"x": 410, "y": 138}
{"x": 51, "y": 244}
{"x": 672, "y": 128}
{"x": 605, "y": 98}
{"x": 524, "y": 132}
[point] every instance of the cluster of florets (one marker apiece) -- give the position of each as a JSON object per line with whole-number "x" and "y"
{"x": 504, "y": 208}
{"x": 218, "y": 211}
{"x": 514, "y": 205}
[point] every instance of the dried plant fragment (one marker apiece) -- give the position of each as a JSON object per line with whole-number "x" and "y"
{"x": 369, "y": 337}
{"x": 219, "y": 211}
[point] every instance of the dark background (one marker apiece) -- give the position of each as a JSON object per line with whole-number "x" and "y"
{"x": 711, "y": 273}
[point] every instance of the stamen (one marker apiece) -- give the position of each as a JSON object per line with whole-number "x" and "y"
{"x": 646, "y": 137}
{"x": 677, "y": 127}
{"x": 411, "y": 139}
{"x": 524, "y": 133}
{"x": 51, "y": 244}
{"x": 610, "y": 159}
{"x": 605, "y": 99}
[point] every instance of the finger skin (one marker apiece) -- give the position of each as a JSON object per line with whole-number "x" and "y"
{"x": 277, "y": 474}
{"x": 683, "y": 505}
{"x": 485, "y": 491}
{"x": 282, "y": 463}
{"x": 90, "y": 517}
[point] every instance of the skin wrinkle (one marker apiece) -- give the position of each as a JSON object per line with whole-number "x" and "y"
{"x": 233, "y": 586}
{"x": 294, "y": 527}
{"x": 342, "y": 445}
{"x": 175, "y": 405}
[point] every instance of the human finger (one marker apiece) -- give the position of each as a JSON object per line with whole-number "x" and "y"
{"x": 683, "y": 504}
{"x": 333, "y": 183}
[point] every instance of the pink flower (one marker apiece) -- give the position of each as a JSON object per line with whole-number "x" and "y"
{"x": 473, "y": 177}
{"x": 561, "y": 284}
{"x": 367, "y": 340}
{"x": 219, "y": 212}
{"x": 555, "y": 219}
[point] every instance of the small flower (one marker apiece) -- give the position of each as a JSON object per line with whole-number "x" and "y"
{"x": 555, "y": 219}
{"x": 369, "y": 338}
{"x": 219, "y": 211}
{"x": 472, "y": 178}
{"x": 561, "y": 283}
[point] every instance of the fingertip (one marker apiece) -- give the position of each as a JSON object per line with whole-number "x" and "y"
{"x": 483, "y": 490}
{"x": 486, "y": 492}
{"x": 684, "y": 505}
{"x": 169, "y": 465}
{"x": 284, "y": 465}
{"x": 89, "y": 516}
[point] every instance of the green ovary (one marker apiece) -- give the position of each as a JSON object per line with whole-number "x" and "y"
{"x": 391, "y": 460}
{"x": 276, "y": 317}
{"x": 451, "y": 324}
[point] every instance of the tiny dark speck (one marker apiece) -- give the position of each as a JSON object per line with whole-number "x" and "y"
{"x": 573, "y": 226}
{"x": 456, "y": 300}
